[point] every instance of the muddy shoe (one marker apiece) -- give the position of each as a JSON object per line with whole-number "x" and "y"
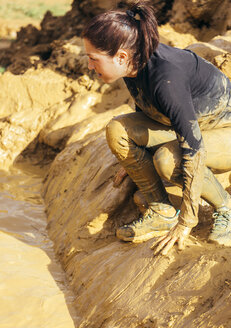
{"x": 221, "y": 231}
{"x": 150, "y": 225}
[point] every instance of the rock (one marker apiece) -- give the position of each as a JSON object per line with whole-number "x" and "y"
{"x": 223, "y": 62}
{"x": 28, "y": 102}
{"x": 210, "y": 17}
{"x": 170, "y": 36}
{"x": 92, "y": 8}
{"x": 206, "y": 50}
{"x": 216, "y": 51}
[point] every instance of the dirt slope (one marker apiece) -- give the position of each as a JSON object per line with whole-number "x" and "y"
{"x": 52, "y": 108}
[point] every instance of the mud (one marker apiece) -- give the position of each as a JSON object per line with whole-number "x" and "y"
{"x": 53, "y": 148}
{"x": 34, "y": 292}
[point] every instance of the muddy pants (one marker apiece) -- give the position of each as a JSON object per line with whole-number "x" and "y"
{"x": 150, "y": 151}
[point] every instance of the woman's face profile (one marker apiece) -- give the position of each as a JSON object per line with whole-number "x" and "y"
{"x": 108, "y": 68}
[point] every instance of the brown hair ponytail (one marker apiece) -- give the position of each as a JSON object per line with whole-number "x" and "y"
{"x": 135, "y": 30}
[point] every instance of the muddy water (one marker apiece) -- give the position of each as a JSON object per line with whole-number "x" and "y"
{"x": 33, "y": 292}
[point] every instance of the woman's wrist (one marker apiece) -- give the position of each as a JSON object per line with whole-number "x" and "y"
{"x": 185, "y": 230}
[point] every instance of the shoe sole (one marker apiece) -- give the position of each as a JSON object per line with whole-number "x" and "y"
{"x": 143, "y": 238}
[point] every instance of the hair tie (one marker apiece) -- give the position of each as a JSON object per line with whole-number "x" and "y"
{"x": 133, "y": 15}
{"x": 130, "y": 13}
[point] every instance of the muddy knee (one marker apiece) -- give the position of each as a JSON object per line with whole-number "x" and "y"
{"x": 164, "y": 163}
{"x": 117, "y": 138}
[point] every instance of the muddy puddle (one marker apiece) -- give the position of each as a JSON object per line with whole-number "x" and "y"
{"x": 33, "y": 292}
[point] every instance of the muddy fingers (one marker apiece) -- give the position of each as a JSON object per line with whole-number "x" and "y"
{"x": 177, "y": 235}
{"x": 157, "y": 241}
{"x": 119, "y": 177}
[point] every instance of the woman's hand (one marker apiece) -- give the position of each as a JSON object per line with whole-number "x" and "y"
{"x": 178, "y": 234}
{"x": 119, "y": 177}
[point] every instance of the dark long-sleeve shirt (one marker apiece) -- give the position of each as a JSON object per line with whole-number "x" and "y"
{"x": 182, "y": 90}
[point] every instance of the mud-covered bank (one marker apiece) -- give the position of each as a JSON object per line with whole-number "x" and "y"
{"x": 186, "y": 20}
{"x": 33, "y": 287}
{"x": 53, "y": 110}
{"x": 123, "y": 285}
{"x": 130, "y": 287}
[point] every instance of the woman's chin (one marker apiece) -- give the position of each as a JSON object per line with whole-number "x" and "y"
{"x": 107, "y": 79}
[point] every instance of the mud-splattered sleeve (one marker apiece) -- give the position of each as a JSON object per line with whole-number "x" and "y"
{"x": 193, "y": 166}
{"x": 173, "y": 99}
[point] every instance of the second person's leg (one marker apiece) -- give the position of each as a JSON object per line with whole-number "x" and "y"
{"x": 217, "y": 142}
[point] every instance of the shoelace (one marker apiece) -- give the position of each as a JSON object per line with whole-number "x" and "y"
{"x": 143, "y": 218}
{"x": 148, "y": 216}
{"x": 221, "y": 220}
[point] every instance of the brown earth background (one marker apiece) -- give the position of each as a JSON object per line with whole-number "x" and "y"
{"x": 61, "y": 264}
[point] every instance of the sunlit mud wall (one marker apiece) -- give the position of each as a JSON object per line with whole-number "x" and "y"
{"x": 49, "y": 100}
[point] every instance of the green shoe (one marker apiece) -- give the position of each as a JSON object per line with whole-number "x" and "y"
{"x": 150, "y": 225}
{"x": 221, "y": 230}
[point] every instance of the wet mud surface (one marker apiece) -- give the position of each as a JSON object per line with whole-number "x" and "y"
{"x": 61, "y": 264}
{"x": 33, "y": 287}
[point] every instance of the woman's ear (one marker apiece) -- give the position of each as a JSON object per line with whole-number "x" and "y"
{"x": 122, "y": 56}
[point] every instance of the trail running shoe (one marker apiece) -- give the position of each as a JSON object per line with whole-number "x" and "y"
{"x": 221, "y": 230}
{"x": 150, "y": 225}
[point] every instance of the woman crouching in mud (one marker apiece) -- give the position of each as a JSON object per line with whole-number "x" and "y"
{"x": 183, "y": 111}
